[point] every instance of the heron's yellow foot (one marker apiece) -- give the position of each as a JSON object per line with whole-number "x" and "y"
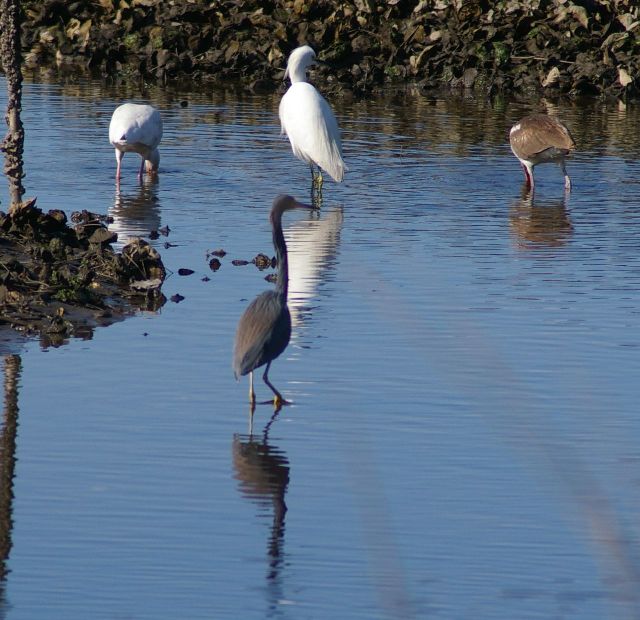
{"x": 278, "y": 401}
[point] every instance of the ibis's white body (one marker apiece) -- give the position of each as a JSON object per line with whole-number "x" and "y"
{"x": 136, "y": 128}
{"x": 308, "y": 120}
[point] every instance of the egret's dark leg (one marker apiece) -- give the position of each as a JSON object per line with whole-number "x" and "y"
{"x": 279, "y": 400}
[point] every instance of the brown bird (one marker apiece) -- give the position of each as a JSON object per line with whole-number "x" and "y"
{"x": 539, "y": 139}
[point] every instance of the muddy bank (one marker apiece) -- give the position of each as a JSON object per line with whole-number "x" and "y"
{"x": 59, "y": 280}
{"x": 559, "y": 46}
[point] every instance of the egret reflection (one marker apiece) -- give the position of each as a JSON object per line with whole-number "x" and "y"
{"x": 262, "y": 472}
{"x": 313, "y": 249}
{"x": 136, "y": 210}
{"x": 540, "y": 223}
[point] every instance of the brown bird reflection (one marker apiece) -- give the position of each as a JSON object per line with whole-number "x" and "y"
{"x": 540, "y": 222}
{"x": 262, "y": 471}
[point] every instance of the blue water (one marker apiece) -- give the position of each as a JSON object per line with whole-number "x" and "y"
{"x": 463, "y": 438}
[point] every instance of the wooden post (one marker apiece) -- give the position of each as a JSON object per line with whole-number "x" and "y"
{"x": 11, "y": 56}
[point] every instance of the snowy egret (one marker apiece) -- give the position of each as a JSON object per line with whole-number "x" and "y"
{"x": 539, "y": 139}
{"x": 308, "y": 121}
{"x": 264, "y": 329}
{"x": 136, "y": 128}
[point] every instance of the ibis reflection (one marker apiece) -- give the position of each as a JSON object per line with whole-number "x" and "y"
{"x": 540, "y": 222}
{"x": 136, "y": 210}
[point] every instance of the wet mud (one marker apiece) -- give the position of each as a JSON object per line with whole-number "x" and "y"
{"x": 570, "y": 47}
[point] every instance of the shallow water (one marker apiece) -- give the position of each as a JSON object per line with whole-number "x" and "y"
{"x": 463, "y": 438}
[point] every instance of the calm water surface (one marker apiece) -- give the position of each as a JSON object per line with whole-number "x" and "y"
{"x": 464, "y": 435}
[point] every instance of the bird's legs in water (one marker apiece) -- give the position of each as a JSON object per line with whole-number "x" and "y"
{"x": 252, "y": 394}
{"x": 278, "y": 399}
{"x": 141, "y": 171}
{"x": 316, "y": 186}
{"x": 528, "y": 176}
{"x": 119, "y": 156}
{"x": 567, "y": 180}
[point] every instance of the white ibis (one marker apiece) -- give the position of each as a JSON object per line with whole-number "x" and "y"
{"x": 309, "y": 122}
{"x": 539, "y": 139}
{"x": 136, "y": 128}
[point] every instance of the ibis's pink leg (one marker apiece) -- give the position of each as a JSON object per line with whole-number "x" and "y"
{"x": 119, "y": 155}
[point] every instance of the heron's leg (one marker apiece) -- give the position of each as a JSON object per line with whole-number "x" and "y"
{"x": 252, "y": 408}
{"x": 141, "y": 171}
{"x": 119, "y": 156}
{"x": 278, "y": 400}
{"x": 252, "y": 394}
{"x": 567, "y": 180}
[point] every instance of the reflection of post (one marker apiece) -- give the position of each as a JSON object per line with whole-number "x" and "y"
{"x": 11, "y": 57}
{"x": 12, "y": 366}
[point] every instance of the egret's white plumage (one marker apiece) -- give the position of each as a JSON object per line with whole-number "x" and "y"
{"x": 308, "y": 120}
{"x": 136, "y": 128}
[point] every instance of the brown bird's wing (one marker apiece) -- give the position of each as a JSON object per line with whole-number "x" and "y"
{"x": 538, "y": 133}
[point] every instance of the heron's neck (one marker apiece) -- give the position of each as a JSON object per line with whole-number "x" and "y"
{"x": 282, "y": 285}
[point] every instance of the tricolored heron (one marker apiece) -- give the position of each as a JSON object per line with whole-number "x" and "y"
{"x": 264, "y": 329}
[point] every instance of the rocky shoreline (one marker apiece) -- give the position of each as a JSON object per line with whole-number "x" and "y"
{"x": 559, "y": 47}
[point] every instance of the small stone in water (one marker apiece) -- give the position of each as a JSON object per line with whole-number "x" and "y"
{"x": 164, "y": 231}
{"x": 239, "y": 262}
{"x": 177, "y": 298}
{"x": 154, "y": 234}
{"x": 271, "y": 277}
{"x": 220, "y": 253}
{"x": 262, "y": 261}
{"x": 183, "y": 271}
{"x": 214, "y": 264}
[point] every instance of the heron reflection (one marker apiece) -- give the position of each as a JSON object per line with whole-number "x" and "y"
{"x": 539, "y": 223}
{"x": 136, "y": 210}
{"x": 264, "y": 329}
{"x": 262, "y": 472}
{"x": 313, "y": 246}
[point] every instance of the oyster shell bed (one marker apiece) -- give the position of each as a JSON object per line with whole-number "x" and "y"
{"x": 547, "y": 46}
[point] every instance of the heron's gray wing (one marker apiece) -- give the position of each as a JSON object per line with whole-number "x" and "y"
{"x": 263, "y": 332}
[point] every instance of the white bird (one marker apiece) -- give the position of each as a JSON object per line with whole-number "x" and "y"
{"x": 539, "y": 139}
{"x": 309, "y": 122}
{"x": 136, "y": 128}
